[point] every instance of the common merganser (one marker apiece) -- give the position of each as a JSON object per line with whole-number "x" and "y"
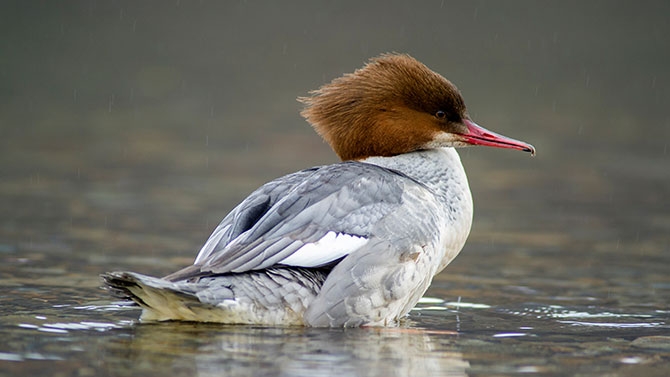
{"x": 355, "y": 243}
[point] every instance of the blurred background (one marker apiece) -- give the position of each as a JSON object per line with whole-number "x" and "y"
{"x": 129, "y": 129}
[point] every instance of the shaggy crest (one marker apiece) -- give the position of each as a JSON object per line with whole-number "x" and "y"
{"x": 354, "y": 113}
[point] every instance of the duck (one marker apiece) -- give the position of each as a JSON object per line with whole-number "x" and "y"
{"x": 350, "y": 244}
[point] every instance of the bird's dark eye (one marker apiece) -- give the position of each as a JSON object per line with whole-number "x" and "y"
{"x": 440, "y": 114}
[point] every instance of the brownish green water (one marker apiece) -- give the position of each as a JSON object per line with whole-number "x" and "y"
{"x": 127, "y": 131}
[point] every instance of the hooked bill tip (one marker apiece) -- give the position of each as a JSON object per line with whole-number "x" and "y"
{"x": 530, "y": 149}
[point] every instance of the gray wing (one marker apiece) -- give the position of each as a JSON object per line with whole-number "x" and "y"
{"x": 246, "y": 214}
{"x": 292, "y": 212}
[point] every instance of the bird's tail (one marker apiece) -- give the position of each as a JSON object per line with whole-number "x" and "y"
{"x": 271, "y": 296}
{"x": 161, "y": 300}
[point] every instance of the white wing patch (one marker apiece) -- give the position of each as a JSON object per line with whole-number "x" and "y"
{"x": 330, "y": 247}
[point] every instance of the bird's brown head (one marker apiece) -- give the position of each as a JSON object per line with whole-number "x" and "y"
{"x": 394, "y": 105}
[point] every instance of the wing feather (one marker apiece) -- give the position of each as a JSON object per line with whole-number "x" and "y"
{"x": 291, "y": 220}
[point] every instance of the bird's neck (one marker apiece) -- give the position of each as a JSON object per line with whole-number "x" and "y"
{"x": 438, "y": 169}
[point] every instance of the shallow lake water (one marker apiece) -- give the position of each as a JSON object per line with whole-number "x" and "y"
{"x": 123, "y": 144}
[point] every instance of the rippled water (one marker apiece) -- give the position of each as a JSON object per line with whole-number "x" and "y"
{"x": 127, "y": 132}
{"x": 87, "y": 337}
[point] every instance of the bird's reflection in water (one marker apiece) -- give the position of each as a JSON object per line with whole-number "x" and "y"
{"x": 210, "y": 350}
